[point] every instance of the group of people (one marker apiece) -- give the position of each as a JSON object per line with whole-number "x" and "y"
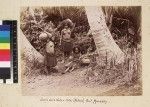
{"x": 71, "y": 50}
{"x": 65, "y": 41}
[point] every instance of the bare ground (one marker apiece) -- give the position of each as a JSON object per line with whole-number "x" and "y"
{"x": 72, "y": 83}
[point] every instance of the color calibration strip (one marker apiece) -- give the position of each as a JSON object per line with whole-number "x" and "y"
{"x": 8, "y": 52}
{"x": 5, "y": 58}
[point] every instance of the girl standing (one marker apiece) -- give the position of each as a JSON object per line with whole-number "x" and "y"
{"x": 50, "y": 57}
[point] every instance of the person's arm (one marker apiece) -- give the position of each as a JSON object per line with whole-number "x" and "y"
{"x": 73, "y": 27}
{"x": 61, "y": 35}
{"x": 49, "y": 34}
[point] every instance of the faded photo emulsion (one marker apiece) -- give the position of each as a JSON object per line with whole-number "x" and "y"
{"x": 81, "y": 50}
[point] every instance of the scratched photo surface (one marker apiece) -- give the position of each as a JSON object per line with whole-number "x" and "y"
{"x": 81, "y": 50}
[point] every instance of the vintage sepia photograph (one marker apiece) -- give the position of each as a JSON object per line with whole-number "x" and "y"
{"x": 81, "y": 51}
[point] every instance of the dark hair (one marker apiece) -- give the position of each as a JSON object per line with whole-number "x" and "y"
{"x": 90, "y": 35}
{"x": 74, "y": 50}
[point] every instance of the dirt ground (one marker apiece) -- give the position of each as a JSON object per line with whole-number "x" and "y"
{"x": 71, "y": 83}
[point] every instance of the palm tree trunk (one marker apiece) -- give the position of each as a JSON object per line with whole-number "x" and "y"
{"x": 105, "y": 44}
{"x": 29, "y": 53}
